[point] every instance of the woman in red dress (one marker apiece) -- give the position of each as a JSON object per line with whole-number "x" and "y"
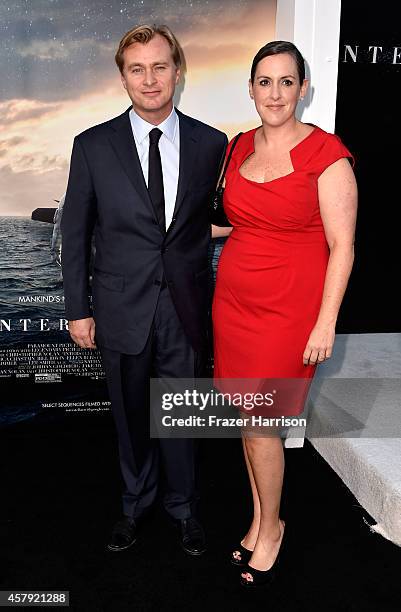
{"x": 290, "y": 195}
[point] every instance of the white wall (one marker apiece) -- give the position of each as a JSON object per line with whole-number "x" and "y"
{"x": 314, "y": 27}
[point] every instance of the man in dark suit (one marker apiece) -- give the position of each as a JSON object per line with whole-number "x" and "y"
{"x": 141, "y": 183}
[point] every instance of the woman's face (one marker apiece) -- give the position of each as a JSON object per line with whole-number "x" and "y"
{"x": 276, "y": 89}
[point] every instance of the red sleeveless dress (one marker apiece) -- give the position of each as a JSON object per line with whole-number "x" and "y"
{"x": 272, "y": 268}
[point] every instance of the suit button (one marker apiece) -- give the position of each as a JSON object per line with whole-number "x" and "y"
{"x": 157, "y": 282}
{"x": 163, "y": 249}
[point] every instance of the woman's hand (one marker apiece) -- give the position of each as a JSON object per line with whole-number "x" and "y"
{"x": 320, "y": 344}
{"x": 220, "y": 232}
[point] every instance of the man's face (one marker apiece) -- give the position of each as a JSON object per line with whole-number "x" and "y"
{"x": 150, "y": 76}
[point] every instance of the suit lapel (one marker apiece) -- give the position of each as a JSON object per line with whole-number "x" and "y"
{"x": 188, "y": 152}
{"x": 123, "y": 142}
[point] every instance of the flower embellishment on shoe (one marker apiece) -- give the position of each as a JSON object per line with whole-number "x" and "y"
{"x": 247, "y": 576}
{"x": 240, "y": 556}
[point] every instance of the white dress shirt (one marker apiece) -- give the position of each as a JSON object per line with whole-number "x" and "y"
{"x": 169, "y": 146}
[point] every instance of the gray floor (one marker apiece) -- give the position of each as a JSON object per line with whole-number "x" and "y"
{"x": 354, "y": 422}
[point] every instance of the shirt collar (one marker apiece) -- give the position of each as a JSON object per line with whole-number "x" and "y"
{"x": 141, "y": 128}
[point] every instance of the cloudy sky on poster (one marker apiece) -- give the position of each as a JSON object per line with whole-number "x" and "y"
{"x": 58, "y": 77}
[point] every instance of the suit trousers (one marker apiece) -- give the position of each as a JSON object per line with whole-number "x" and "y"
{"x": 167, "y": 354}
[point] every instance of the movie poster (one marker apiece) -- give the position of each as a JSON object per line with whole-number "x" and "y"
{"x": 367, "y": 119}
{"x": 58, "y": 78}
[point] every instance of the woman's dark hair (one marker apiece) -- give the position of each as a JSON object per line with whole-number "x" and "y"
{"x": 274, "y": 48}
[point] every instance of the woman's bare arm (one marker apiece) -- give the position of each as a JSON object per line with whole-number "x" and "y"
{"x": 338, "y": 206}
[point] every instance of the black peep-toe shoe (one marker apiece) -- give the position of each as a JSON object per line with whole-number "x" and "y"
{"x": 240, "y": 556}
{"x": 261, "y": 577}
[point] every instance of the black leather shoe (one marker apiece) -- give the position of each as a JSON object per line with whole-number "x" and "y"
{"x": 123, "y": 535}
{"x": 192, "y": 536}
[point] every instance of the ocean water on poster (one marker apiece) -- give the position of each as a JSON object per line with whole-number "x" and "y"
{"x": 28, "y": 270}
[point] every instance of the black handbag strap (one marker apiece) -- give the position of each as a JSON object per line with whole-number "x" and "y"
{"x": 228, "y": 160}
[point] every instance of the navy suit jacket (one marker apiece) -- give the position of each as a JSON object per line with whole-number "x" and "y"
{"x": 107, "y": 196}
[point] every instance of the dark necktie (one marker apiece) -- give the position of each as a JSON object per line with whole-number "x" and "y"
{"x": 155, "y": 177}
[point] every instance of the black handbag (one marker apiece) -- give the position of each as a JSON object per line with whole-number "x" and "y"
{"x": 217, "y": 214}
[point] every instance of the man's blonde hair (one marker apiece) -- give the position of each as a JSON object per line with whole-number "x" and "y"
{"x": 143, "y": 34}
